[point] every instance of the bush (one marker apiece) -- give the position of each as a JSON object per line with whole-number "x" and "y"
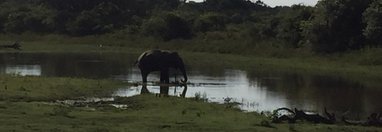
{"x": 167, "y": 26}
{"x": 210, "y": 22}
{"x": 102, "y": 18}
{"x": 35, "y": 19}
{"x": 373, "y": 19}
{"x": 337, "y": 25}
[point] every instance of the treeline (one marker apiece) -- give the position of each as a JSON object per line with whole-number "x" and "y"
{"x": 330, "y": 26}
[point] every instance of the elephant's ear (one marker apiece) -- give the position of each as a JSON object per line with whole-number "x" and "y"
{"x": 174, "y": 56}
{"x": 174, "y": 53}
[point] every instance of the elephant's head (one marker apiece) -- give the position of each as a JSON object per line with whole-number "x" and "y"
{"x": 177, "y": 63}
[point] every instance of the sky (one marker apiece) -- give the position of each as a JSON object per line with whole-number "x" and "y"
{"x": 274, "y": 3}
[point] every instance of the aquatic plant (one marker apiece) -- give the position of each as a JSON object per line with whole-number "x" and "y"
{"x": 201, "y": 97}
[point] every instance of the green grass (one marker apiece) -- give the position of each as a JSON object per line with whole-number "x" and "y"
{"x": 145, "y": 113}
{"x": 18, "y": 88}
{"x": 29, "y": 104}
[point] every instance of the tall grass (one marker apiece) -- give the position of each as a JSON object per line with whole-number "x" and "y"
{"x": 199, "y": 44}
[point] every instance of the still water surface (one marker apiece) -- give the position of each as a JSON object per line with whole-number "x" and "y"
{"x": 256, "y": 91}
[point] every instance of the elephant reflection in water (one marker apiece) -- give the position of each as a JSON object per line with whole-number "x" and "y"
{"x": 164, "y": 90}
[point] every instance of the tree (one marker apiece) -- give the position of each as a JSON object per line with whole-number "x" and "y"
{"x": 290, "y": 28}
{"x": 210, "y": 22}
{"x": 337, "y": 25}
{"x": 167, "y": 26}
{"x": 102, "y": 18}
{"x": 229, "y": 6}
{"x": 27, "y": 17}
{"x": 373, "y": 19}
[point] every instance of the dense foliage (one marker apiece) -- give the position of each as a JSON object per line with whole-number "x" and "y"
{"x": 330, "y": 26}
{"x": 338, "y": 25}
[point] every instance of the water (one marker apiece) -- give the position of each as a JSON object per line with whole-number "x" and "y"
{"x": 255, "y": 90}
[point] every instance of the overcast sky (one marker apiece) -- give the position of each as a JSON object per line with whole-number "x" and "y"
{"x": 273, "y": 3}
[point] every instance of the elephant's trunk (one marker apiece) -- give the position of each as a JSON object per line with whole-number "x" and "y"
{"x": 184, "y": 75}
{"x": 182, "y": 69}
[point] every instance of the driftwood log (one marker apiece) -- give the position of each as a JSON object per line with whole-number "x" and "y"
{"x": 373, "y": 120}
{"x": 296, "y": 114}
{"x": 15, "y": 45}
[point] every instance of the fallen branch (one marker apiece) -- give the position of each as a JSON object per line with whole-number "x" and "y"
{"x": 301, "y": 115}
{"x": 316, "y": 118}
{"x": 289, "y": 118}
{"x": 15, "y": 45}
{"x": 373, "y": 120}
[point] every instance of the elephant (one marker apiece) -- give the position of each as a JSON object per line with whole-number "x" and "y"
{"x": 160, "y": 60}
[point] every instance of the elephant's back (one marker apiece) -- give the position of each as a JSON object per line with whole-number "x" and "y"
{"x": 152, "y": 56}
{"x": 154, "y": 53}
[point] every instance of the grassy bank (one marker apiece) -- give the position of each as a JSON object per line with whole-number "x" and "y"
{"x": 18, "y": 88}
{"x": 141, "y": 113}
{"x": 146, "y": 113}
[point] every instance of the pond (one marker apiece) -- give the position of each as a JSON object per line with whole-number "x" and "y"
{"x": 255, "y": 90}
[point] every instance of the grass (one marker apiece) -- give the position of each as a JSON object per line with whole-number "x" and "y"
{"x": 145, "y": 113}
{"x": 28, "y": 103}
{"x": 18, "y": 88}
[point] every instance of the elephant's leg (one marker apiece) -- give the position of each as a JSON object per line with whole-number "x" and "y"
{"x": 184, "y": 91}
{"x": 144, "y": 89}
{"x": 167, "y": 78}
{"x": 144, "y": 76}
{"x": 164, "y": 76}
{"x": 164, "y": 90}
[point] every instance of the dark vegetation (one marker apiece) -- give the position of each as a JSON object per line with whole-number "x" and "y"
{"x": 15, "y": 45}
{"x": 331, "y": 26}
{"x": 299, "y": 115}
